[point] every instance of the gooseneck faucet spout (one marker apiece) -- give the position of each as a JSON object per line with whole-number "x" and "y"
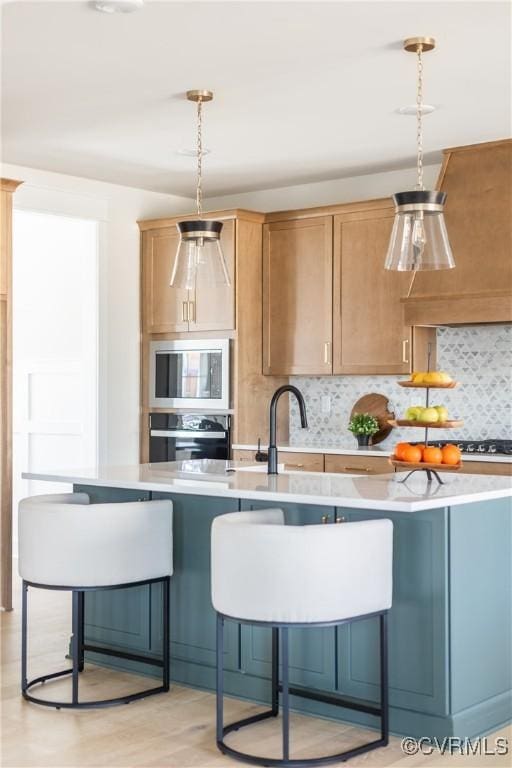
{"x": 272, "y": 448}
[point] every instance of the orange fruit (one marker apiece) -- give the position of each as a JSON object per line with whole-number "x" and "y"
{"x": 432, "y": 455}
{"x": 399, "y": 450}
{"x": 450, "y": 454}
{"x": 412, "y": 454}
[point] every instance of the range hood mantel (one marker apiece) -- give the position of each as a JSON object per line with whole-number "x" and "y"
{"x": 477, "y": 179}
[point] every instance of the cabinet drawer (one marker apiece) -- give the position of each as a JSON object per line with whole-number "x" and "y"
{"x": 305, "y": 462}
{"x": 296, "y": 462}
{"x": 486, "y": 468}
{"x": 247, "y": 456}
{"x": 366, "y": 465}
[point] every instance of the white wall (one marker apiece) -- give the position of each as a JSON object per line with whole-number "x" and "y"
{"x": 326, "y": 192}
{"x": 117, "y": 209}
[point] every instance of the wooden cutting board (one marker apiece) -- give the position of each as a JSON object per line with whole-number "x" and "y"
{"x": 378, "y": 406}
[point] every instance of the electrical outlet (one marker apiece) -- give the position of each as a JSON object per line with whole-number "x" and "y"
{"x": 326, "y": 404}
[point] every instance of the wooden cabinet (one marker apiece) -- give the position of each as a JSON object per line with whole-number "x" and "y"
{"x": 477, "y": 212}
{"x": 486, "y": 467}
{"x": 167, "y": 309}
{"x": 297, "y": 297}
{"x": 369, "y": 333}
{"x": 292, "y": 460}
{"x": 365, "y": 465}
{"x": 329, "y": 306}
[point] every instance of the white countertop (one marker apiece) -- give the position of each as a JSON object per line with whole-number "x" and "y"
{"x": 353, "y": 450}
{"x": 209, "y": 477}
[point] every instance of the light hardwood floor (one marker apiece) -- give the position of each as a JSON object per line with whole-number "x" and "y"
{"x": 173, "y": 730}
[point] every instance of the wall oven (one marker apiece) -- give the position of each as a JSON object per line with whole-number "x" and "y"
{"x": 189, "y": 374}
{"x": 182, "y": 436}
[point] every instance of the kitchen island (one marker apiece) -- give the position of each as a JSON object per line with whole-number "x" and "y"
{"x": 450, "y": 624}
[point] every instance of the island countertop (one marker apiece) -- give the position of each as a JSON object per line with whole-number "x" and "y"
{"x": 230, "y": 479}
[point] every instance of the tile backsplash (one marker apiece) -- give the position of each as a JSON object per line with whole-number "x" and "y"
{"x": 479, "y": 357}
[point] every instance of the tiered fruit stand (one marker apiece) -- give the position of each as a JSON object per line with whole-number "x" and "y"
{"x": 432, "y": 470}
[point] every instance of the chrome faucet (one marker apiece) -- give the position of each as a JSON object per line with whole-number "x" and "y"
{"x": 272, "y": 448}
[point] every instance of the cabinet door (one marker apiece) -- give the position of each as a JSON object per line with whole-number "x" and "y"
{"x": 363, "y": 465}
{"x": 164, "y": 308}
{"x": 193, "y": 619}
{"x": 212, "y": 308}
{"x": 297, "y": 297}
{"x": 312, "y": 650}
{"x": 369, "y": 334}
{"x": 418, "y": 619}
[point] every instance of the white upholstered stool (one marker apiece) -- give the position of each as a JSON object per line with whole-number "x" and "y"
{"x": 280, "y": 576}
{"x": 65, "y": 543}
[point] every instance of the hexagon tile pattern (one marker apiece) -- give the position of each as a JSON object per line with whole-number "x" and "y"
{"x": 479, "y": 357}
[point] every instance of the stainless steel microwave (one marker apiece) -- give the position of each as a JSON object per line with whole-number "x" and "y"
{"x": 189, "y": 374}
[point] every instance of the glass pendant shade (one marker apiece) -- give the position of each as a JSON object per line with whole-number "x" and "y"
{"x": 419, "y": 240}
{"x": 199, "y": 257}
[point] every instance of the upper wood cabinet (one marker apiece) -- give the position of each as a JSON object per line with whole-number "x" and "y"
{"x": 297, "y": 296}
{"x": 166, "y": 309}
{"x": 479, "y": 223}
{"x": 369, "y": 333}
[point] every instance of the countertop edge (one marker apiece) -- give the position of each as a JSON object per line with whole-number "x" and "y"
{"x": 189, "y": 488}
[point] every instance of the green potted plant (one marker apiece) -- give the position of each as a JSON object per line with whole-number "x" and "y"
{"x": 363, "y": 426}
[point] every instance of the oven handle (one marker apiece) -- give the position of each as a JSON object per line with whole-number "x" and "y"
{"x": 186, "y": 433}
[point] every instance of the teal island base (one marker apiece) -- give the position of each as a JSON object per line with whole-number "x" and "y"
{"x": 450, "y": 625}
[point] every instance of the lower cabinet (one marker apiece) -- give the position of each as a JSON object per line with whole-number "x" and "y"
{"x": 364, "y": 465}
{"x": 119, "y": 618}
{"x": 193, "y": 621}
{"x": 343, "y": 659}
{"x": 418, "y": 623}
{"x": 313, "y": 650}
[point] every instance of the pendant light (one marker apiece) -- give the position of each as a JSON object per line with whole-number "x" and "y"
{"x": 199, "y": 254}
{"x": 419, "y": 239}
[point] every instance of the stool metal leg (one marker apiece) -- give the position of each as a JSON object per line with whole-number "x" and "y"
{"x": 384, "y": 693}
{"x": 166, "y": 632}
{"x": 275, "y": 671}
{"x": 75, "y": 643}
{"x": 220, "y": 678}
{"x": 24, "y": 595}
{"x": 79, "y": 646}
{"x": 285, "y": 693}
{"x": 369, "y": 707}
{"x": 81, "y": 630}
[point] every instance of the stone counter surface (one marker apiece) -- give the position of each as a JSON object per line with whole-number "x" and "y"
{"x": 215, "y": 478}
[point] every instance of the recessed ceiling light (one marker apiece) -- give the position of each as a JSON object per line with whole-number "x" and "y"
{"x": 192, "y": 152}
{"x": 411, "y": 109}
{"x": 117, "y": 6}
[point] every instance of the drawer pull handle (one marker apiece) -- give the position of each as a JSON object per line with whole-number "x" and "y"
{"x": 295, "y": 466}
{"x": 325, "y": 518}
{"x": 184, "y": 311}
{"x": 192, "y": 311}
{"x": 341, "y": 520}
{"x": 405, "y": 348}
{"x": 357, "y": 469}
{"x": 327, "y": 352}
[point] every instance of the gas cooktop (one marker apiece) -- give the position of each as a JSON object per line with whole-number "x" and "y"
{"x": 503, "y": 447}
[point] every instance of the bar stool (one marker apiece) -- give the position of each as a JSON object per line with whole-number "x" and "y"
{"x": 265, "y": 573}
{"x": 65, "y": 543}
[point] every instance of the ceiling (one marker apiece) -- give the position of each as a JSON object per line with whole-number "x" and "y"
{"x": 303, "y": 91}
